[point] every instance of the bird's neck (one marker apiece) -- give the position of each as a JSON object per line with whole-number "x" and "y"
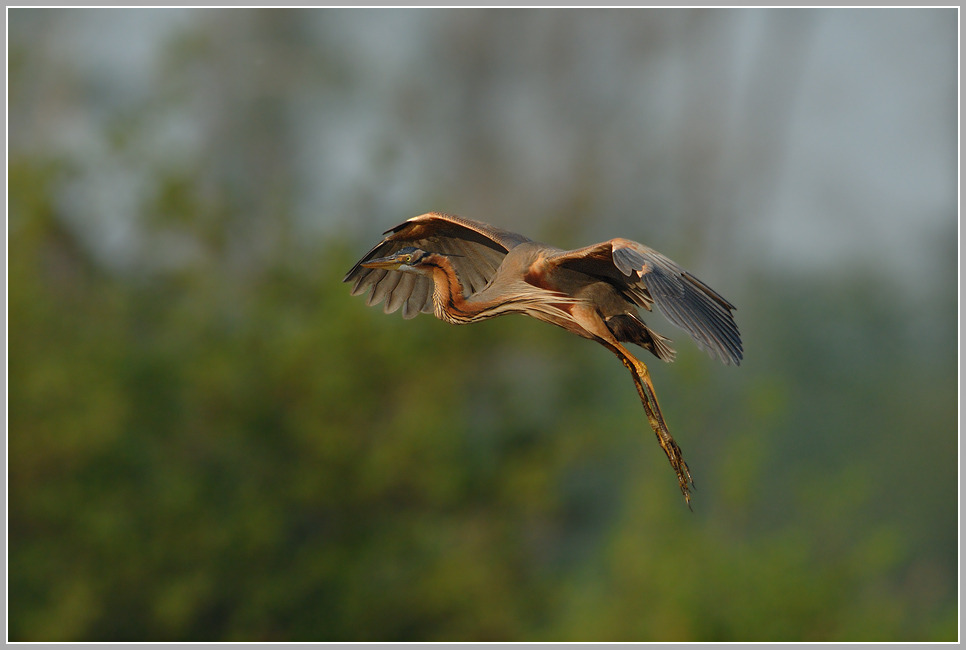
{"x": 450, "y": 305}
{"x": 448, "y": 301}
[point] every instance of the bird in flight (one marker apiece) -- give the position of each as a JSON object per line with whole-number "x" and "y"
{"x": 466, "y": 271}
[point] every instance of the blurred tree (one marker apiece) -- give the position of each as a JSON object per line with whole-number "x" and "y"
{"x": 287, "y": 465}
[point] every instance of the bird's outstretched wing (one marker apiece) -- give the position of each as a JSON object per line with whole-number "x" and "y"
{"x": 651, "y": 277}
{"x": 474, "y": 249}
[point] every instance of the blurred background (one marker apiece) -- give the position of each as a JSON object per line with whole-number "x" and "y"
{"x": 209, "y": 439}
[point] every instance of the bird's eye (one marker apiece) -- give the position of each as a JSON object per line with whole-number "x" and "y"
{"x": 407, "y": 258}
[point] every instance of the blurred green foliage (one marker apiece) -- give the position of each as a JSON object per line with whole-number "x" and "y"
{"x": 210, "y": 453}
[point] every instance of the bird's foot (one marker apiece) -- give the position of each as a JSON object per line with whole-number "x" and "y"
{"x": 680, "y": 467}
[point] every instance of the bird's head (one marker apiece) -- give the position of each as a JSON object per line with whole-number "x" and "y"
{"x": 409, "y": 259}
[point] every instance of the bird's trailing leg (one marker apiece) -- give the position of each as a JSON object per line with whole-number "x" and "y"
{"x": 645, "y": 389}
{"x": 592, "y": 322}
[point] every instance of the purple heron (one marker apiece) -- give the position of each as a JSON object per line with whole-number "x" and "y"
{"x": 465, "y": 271}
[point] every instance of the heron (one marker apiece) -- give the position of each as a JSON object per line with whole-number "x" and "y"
{"x": 466, "y": 271}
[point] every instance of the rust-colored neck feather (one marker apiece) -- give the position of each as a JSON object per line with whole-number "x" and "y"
{"x": 448, "y": 301}
{"x": 494, "y": 300}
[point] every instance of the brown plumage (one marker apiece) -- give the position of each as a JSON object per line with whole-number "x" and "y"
{"x": 465, "y": 271}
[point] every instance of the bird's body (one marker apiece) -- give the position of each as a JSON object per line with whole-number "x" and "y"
{"x": 466, "y": 271}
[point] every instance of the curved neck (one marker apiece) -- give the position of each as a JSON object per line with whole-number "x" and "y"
{"x": 496, "y": 299}
{"x": 448, "y": 301}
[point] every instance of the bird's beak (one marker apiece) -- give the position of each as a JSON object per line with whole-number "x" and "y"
{"x": 390, "y": 263}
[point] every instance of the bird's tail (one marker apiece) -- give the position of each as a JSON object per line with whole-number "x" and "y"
{"x": 627, "y": 328}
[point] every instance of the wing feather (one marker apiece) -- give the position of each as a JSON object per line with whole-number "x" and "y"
{"x": 475, "y": 250}
{"x": 399, "y": 295}
{"x": 363, "y": 282}
{"x": 422, "y": 293}
{"x": 383, "y": 288}
{"x": 686, "y": 301}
